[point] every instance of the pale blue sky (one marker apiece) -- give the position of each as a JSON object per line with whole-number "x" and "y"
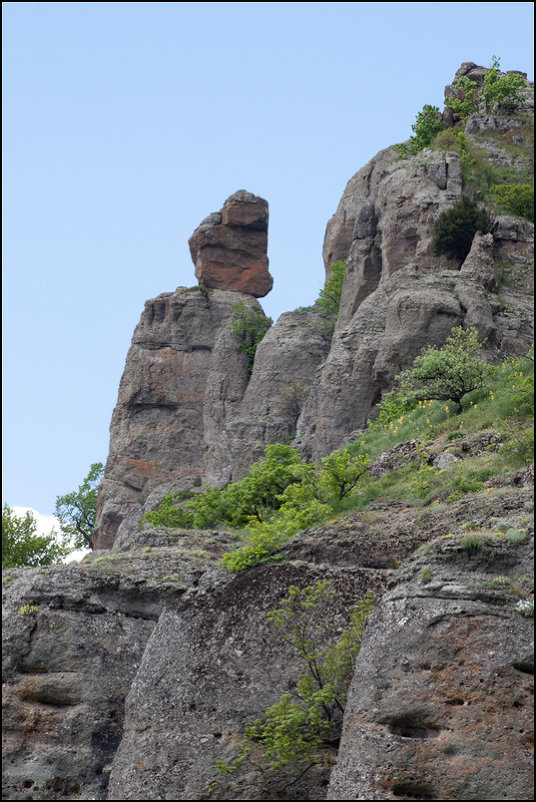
{"x": 125, "y": 124}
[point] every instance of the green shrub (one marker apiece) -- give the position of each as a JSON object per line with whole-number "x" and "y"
{"x": 250, "y": 326}
{"x": 452, "y": 139}
{"x": 393, "y": 405}
{"x": 466, "y": 100}
{"x": 500, "y": 93}
{"x": 455, "y": 229}
{"x": 427, "y": 124}
{"x": 446, "y": 373}
{"x": 516, "y": 536}
{"x": 256, "y": 496}
{"x": 426, "y": 576}
{"x": 472, "y": 543}
{"x": 304, "y": 502}
{"x": 518, "y": 199}
{"x": 329, "y": 298}
{"x": 292, "y": 732}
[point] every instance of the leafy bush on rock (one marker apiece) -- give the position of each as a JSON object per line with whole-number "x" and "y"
{"x": 292, "y": 733}
{"x": 249, "y": 326}
{"x": 455, "y": 229}
{"x": 446, "y": 373}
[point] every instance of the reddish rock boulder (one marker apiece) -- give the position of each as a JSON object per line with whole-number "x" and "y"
{"x": 229, "y": 247}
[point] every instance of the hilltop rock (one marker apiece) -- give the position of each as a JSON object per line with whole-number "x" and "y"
{"x": 229, "y": 248}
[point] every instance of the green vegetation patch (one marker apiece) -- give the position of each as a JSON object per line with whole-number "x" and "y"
{"x": 249, "y": 326}
{"x": 454, "y": 230}
{"x": 283, "y": 495}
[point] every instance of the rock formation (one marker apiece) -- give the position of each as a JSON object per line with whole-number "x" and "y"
{"x": 129, "y": 675}
{"x": 229, "y": 247}
{"x": 441, "y": 704}
{"x": 156, "y": 434}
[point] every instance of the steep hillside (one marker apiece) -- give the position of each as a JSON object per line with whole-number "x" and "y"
{"x": 211, "y": 625}
{"x": 189, "y": 410}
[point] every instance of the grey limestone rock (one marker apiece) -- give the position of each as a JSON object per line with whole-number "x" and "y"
{"x": 440, "y": 706}
{"x": 156, "y": 433}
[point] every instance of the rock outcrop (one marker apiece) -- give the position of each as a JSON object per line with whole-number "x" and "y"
{"x": 441, "y": 702}
{"x": 229, "y": 248}
{"x": 156, "y": 434}
{"x": 189, "y": 412}
{"x": 130, "y": 675}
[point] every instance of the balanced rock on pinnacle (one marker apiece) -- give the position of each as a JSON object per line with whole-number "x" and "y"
{"x": 229, "y": 247}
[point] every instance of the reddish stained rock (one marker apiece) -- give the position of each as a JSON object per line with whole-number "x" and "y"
{"x": 229, "y": 247}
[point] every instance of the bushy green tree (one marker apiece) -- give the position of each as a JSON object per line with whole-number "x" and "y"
{"x": 250, "y": 326}
{"x": 76, "y": 511}
{"x": 291, "y": 733}
{"x": 467, "y": 98}
{"x": 518, "y": 199}
{"x": 341, "y": 471}
{"x": 21, "y": 545}
{"x": 256, "y": 496}
{"x": 427, "y": 124}
{"x": 446, "y": 373}
{"x": 501, "y": 92}
{"x": 454, "y": 230}
{"x": 329, "y": 297}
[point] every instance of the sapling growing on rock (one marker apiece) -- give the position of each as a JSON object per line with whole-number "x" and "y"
{"x": 294, "y": 733}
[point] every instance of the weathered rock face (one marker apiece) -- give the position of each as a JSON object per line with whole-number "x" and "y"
{"x": 229, "y": 248}
{"x": 129, "y": 676}
{"x": 220, "y": 664}
{"x": 156, "y": 435}
{"x": 188, "y": 411}
{"x": 441, "y": 703}
{"x": 73, "y": 638}
{"x": 285, "y": 364}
